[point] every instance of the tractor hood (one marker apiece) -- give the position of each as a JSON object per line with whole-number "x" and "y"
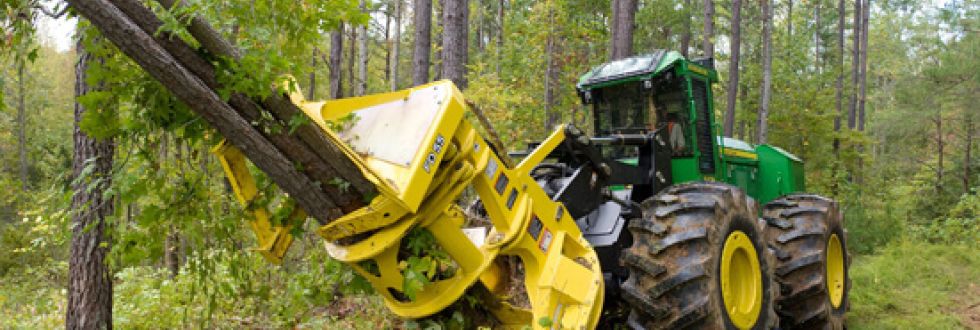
{"x": 636, "y": 68}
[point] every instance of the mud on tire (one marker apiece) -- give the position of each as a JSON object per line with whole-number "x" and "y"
{"x": 799, "y": 229}
{"x": 674, "y": 262}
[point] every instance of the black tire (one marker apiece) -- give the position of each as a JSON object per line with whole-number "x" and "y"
{"x": 798, "y": 231}
{"x": 675, "y": 258}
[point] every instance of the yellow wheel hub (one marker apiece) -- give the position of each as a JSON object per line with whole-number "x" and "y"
{"x": 835, "y": 271}
{"x": 741, "y": 280}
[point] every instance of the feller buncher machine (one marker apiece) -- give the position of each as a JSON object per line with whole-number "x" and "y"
{"x": 653, "y": 222}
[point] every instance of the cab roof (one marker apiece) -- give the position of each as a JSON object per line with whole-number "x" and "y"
{"x": 635, "y": 68}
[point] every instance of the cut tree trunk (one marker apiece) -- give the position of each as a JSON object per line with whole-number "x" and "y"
{"x": 733, "y": 68}
{"x": 89, "y": 279}
{"x": 423, "y": 42}
{"x": 194, "y": 89}
{"x": 321, "y": 159}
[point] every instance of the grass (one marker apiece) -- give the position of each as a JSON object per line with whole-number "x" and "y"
{"x": 914, "y": 285}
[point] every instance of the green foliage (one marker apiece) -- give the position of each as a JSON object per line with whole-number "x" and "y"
{"x": 961, "y": 226}
{"x": 423, "y": 260}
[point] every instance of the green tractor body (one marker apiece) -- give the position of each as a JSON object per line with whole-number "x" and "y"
{"x": 663, "y": 90}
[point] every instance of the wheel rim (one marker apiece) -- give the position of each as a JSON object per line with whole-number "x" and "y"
{"x": 741, "y": 280}
{"x": 835, "y": 271}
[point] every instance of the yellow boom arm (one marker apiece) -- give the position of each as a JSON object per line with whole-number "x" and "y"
{"x": 420, "y": 152}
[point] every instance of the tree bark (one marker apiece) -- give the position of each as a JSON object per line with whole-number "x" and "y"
{"x": 733, "y": 68}
{"x": 500, "y": 34}
{"x": 817, "y": 59}
{"x": 440, "y": 13}
{"x": 352, "y": 83}
{"x": 709, "y": 28}
{"x": 551, "y": 118}
{"x": 423, "y": 42}
{"x": 455, "y": 41}
{"x": 89, "y": 279}
{"x": 789, "y": 19}
{"x": 336, "y": 60}
{"x": 865, "y": 13}
{"x": 624, "y": 21}
{"x": 940, "y": 151}
{"x": 191, "y": 90}
{"x": 362, "y": 56}
{"x": 967, "y": 159}
{"x": 686, "y": 37}
{"x": 311, "y": 94}
{"x": 388, "y": 43}
{"x": 22, "y": 127}
{"x": 839, "y": 88}
{"x": 396, "y": 43}
{"x": 762, "y": 129}
{"x": 855, "y": 66}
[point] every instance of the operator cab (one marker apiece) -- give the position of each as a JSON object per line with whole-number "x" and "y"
{"x": 657, "y": 93}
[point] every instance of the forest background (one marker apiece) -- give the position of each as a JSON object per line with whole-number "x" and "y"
{"x": 876, "y": 97}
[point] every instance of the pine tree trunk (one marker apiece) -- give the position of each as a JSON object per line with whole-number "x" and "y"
{"x": 855, "y": 66}
{"x": 89, "y": 279}
{"x": 21, "y": 127}
{"x": 423, "y": 42}
{"x": 940, "y": 151}
{"x": 817, "y": 59}
{"x": 733, "y": 67}
{"x": 624, "y": 21}
{"x": 362, "y": 56}
{"x": 440, "y": 13}
{"x": 967, "y": 159}
{"x": 311, "y": 94}
{"x": 865, "y": 13}
{"x": 396, "y": 45}
{"x": 478, "y": 24}
{"x": 839, "y": 87}
{"x": 455, "y": 41}
{"x": 388, "y": 43}
{"x": 686, "y": 37}
{"x": 352, "y": 83}
{"x": 789, "y": 19}
{"x": 500, "y": 34}
{"x": 336, "y": 60}
{"x": 762, "y": 129}
{"x": 709, "y": 28}
{"x": 549, "y": 93}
